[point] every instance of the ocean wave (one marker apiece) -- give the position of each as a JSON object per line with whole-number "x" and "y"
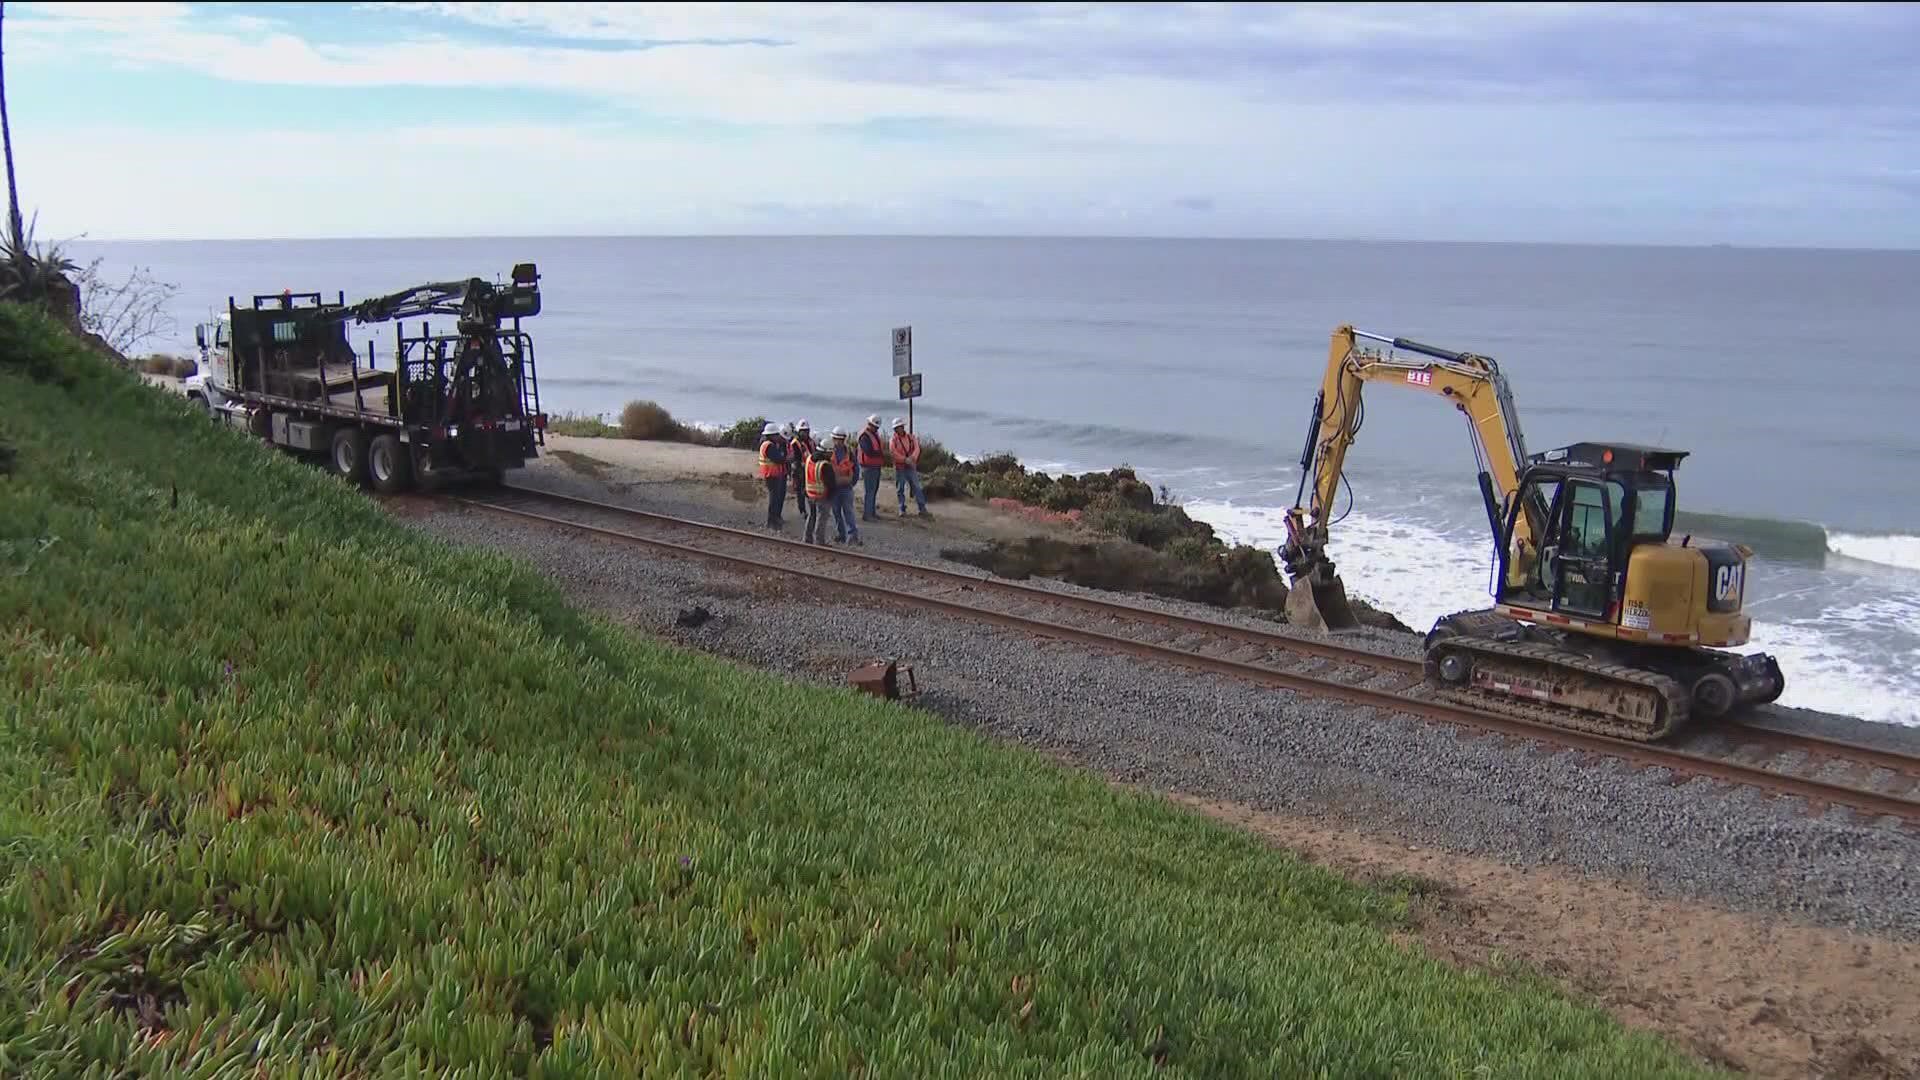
{"x": 1770, "y": 538}
{"x": 1897, "y": 550}
{"x": 1802, "y": 542}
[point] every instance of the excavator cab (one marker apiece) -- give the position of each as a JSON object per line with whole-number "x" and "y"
{"x": 1591, "y": 505}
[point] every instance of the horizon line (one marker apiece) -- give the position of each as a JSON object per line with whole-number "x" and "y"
{"x": 1395, "y": 241}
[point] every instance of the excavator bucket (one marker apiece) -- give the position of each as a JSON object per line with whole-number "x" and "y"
{"x": 1320, "y": 603}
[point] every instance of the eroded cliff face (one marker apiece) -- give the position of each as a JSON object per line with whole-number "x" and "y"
{"x": 63, "y": 300}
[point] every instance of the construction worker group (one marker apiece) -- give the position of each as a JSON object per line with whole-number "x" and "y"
{"x": 822, "y": 475}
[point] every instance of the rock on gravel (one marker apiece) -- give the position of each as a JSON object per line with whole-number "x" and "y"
{"x": 1215, "y": 737}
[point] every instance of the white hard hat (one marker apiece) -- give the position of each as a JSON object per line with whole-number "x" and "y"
{"x": 786, "y": 429}
{"x": 802, "y": 425}
{"x": 771, "y": 429}
{"x": 873, "y": 421}
{"x": 899, "y": 421}
{"x": 839, "y": 433}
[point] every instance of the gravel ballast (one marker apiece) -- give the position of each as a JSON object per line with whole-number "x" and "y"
{"x": 1215, "y": 737}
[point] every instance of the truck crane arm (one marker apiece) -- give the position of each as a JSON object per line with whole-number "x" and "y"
{"x": 1477, "y": 388}
{"x": 478, "y": 304}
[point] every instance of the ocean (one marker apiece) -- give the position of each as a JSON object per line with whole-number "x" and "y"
{"x": 1789, "y": 375}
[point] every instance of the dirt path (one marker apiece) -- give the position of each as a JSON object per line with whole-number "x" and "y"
{"x": 1752, "y": 993}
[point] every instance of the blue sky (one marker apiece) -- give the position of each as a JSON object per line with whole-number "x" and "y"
{"x": 1685, "y": 123}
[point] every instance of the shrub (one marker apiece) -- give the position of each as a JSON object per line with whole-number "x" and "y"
{"x": 946, "y": 482}
{"x": 933, "y": 457}
{"x": 184, "y": 367}
{"x": 744, "y": 434}
{"x": 648, "y": 420}
{"x": 157, "y": 364}
{"x": 581, "y": 426}
{"x": 1192, "y": 549}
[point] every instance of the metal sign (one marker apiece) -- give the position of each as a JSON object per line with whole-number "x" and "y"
{"x": 909, "y": 387}
{"x": 902, "y": 350}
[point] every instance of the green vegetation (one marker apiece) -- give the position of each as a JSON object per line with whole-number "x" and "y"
{"x": 581, "y": 426}
{"x": 180, "y": 367}
{"x": 1156, "y": 548}
{"x": 650, "y": 420}
{"x": 287, "y": 784}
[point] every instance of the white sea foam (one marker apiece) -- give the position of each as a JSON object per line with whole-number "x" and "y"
{"x": 1896, "y": 550}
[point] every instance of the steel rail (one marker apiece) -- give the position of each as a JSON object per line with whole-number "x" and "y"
{"x": 1815, "y": 791}
{"x": 1287, "y": 642}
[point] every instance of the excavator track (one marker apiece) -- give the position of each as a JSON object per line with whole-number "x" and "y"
{"x": 1541, "y": 684}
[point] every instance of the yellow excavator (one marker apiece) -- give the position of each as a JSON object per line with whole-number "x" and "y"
{"x": 1602, "y": 620}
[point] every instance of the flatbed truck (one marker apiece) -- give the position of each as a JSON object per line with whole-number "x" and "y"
{"x": 463, "y": 403}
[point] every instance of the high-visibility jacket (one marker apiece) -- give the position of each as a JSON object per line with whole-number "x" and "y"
{"x": 818, "y": 470}
{"x": 843, "y": 466}
{"x": 802, "y": 450}
{"x": 873, "y": 452}
{"x": 906, "y": 451}
{"x": 773, "y": 458}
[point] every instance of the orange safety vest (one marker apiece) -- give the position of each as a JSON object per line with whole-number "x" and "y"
{"x": 769, "y": 468}
{"x": 906, "y": 451}
{"x": 816, "y": 479}
{"x": 872, "y": 459}
{"x": 843, "y": 466}
{"x": 798, "y": 451}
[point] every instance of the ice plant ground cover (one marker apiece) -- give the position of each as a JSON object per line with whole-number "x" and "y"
{"x": 287, "y": 786}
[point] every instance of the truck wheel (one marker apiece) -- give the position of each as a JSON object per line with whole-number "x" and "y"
{"x": 350, "y": 454}
{"x": 389, "y": 464}
{"x": 427, "y": 476}
{"x": 200, "y": 401}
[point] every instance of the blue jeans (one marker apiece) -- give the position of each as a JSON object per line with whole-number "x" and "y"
{"x": 843, "y": 525}
{"x": 873, "y": 490}
{"x": 908, "y": 478}
{"x": 776, "y": 498}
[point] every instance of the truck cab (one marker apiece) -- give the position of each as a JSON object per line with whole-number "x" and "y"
{"x": 211, "y": 384}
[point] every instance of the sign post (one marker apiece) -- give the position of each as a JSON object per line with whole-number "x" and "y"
{"x": 903, "y": 369}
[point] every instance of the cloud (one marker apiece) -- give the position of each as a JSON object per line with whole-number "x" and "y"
{"x": 1382, "y": 119}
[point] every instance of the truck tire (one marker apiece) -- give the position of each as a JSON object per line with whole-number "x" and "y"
{"x": 389, "y": 464}
{"x": 349, "y": 457}
{"x": 427, "y": 477}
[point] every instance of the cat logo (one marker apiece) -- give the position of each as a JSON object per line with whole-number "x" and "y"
{"x": 1726, "y": 584}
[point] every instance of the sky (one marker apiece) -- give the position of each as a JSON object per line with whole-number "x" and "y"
{"x": 1765, "y": 125}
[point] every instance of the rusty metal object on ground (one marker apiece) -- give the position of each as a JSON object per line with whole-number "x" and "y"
{"x": 881, "y": 678}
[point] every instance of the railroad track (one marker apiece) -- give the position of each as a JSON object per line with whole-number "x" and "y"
{"x": 1767, "y": 758}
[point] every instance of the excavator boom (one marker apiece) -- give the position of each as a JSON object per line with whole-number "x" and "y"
{"x": 1473, "y": 383}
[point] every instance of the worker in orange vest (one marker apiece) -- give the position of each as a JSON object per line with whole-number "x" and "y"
{"x": 906, "y": 467}
{"x": 820, "y": 485}
{"x": 802, "y": 445}
{"x": 773, "y": 469}
{"x": 873, "y": 458}
{"x": 842, "y": 461}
